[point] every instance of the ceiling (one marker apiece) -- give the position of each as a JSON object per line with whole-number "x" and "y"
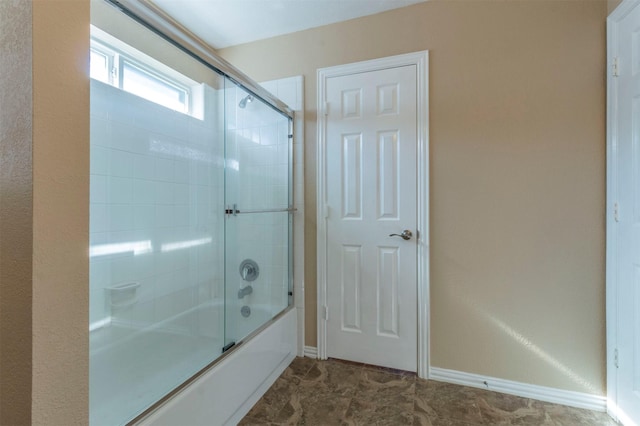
{"x": 224, "y": 23}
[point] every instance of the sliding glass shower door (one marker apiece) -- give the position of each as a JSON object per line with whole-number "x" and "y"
{"x": 156, "y": 217}
{"x": 190, "y": 218}
{"x": 257, "y": 215}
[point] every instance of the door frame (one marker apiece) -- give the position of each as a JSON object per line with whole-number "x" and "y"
{"x": 613, "y": 22}
{"x": 421, "y": 61}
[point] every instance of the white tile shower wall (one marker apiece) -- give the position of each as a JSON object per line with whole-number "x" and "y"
{"x": 156, "y": 207}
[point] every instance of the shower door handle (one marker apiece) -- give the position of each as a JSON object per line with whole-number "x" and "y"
{"x": 234, "y": 211}
{"x": 406, "y": 235}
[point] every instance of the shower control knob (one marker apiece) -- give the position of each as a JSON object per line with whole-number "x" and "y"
{"x": 406, "y": 235}
{"x": 249, "y": 270}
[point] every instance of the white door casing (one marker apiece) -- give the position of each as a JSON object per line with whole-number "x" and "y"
{"x": 623, "y": 214}
{"x": 373, "y": 181}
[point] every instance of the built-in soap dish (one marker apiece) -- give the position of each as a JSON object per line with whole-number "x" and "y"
{"x": 123, "y": 295}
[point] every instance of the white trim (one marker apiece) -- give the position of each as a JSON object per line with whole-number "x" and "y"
{"x": 421, "y": 61}
{"x": 526, "y": 390}
{"x": 299, "y": 215}
{"x": 612, "y": 194}
{"x": 623, "y": 10}
{"x": 311, "y": 352}
{"x": 620, "y": 416}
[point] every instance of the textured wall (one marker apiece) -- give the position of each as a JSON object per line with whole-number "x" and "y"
{"x": 60, "y": 212}
{"x": 15, "y": 212}
{"x": 517, "y": 134}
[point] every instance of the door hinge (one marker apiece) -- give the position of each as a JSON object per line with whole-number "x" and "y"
{"x": 326, "y": 212}
{"x": 326, "y": 108}
{"x": 325, "y": 314}
{"x": 615, "y": 67}
{"x": 615, "y": 357}
{"x": 616, "y": 212}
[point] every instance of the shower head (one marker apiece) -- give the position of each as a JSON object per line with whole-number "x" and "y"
{"x": 244, "y": 101}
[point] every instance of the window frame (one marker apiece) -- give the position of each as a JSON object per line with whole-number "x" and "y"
{"x": 117, "y": 59}
{"x": 109, "y": 54}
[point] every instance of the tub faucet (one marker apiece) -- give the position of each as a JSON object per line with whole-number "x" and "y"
{"x": 245, "y": 291}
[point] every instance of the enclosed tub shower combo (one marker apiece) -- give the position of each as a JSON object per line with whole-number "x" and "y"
{"x": 190, "y": 224}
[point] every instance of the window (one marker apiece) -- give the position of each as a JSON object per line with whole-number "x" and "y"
{"x": 153, "y": 87}
{"x": 121, "y": 66}
{"x": 100, "y": 66}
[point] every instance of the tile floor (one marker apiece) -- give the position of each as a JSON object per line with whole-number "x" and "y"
{"x": 334, "y": 392}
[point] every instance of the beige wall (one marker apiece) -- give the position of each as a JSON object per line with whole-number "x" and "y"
{"x": 517, "y": 116}
{"x": 60, "y": 212}
{"x": 45, "y": 195}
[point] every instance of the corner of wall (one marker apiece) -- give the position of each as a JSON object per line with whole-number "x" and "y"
{"x": 15, "y": 212}
{"x": 611, "y": 5}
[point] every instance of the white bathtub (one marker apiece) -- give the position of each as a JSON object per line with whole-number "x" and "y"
{"x": 225, "y": 394}
{"x": 135, "y": 364}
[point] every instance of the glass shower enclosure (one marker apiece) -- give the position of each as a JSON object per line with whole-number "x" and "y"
{"x": 190, "y": 215}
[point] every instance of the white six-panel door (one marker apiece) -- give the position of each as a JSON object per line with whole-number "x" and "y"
{"x": 371, "y": 193}
{"x": 624, "y": 219}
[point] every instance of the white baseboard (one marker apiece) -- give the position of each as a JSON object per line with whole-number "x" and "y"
{"x": 311, "y": 352}
{"x": 541, "y": 393}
